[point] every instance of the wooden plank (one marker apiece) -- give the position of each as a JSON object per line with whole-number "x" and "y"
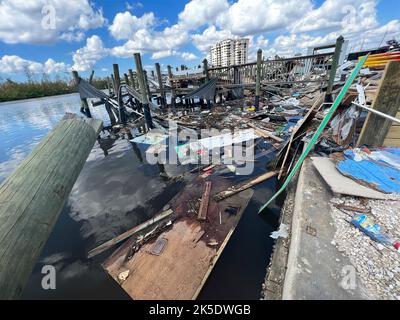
{"x": 236, "y": 189}
{"x": 394, "y": 133}
{"x": 317, "y": 104}
{"x": 205, "y": 199}
{"x": 32, "y": 197}
{"x": 391, "y": 143}
{"x": 387, "y": 101}
{"x": 110, "y": 243}
{"x": 264, "y": 133}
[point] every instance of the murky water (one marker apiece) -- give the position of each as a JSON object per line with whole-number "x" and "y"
{"x": 113, "y": 193}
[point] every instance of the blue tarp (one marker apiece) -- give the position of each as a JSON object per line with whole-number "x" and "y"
{"x": 379, "y": 169}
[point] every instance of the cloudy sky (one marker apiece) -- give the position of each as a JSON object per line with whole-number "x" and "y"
{"x": 53, "y": 36}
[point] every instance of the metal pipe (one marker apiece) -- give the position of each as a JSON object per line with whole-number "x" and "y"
{"x": 384, "y": 115}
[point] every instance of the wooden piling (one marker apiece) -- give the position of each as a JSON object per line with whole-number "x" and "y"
{"x": 126, "y": 79}
{"x": 335, "y": 62}
{"x": 205, "y": 70}
{"x": 132, "y": 78}
{"x": 376, "y": 128}
{"x": 258, "y": 80}
{"x": 117, "y": 79}
{"x": 146, "y": 81}
{"x": 161, "y": 85}
{"x": 33, "y": 196}
{"x": 91, "y": 77}
{"x": 142, "y": 86}
{"x": 173, "y": 93}
{"x": 84, "y": 104}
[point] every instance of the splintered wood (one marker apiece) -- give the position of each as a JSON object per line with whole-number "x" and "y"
{"x": 205, "y": 199}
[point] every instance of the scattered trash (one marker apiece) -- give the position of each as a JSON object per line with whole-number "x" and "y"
{"x": 282, "y": 232}
{"x": 123, "y": 276}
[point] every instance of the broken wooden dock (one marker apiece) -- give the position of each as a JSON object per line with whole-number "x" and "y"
{"x": 176, "y": 262}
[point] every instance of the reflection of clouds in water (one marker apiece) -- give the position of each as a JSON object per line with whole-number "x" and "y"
{"x": 74, "y": 269}
{"x": 55, "y": 258}
{"x": 24, "y": 123}
{"x": 109, "y": 189}
{"x": 15, "y": 156}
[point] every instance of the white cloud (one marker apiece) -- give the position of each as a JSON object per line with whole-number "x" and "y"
{"x": 355, "y": 15}
{"x": 145, "y": 40}
{"x": 21, "y": 20}
{"x": 14, "y": 64}
{"x": 210, "y": 36}
{"x": 199, "y": 12}
{"x": 249, "y": 17}
{"x": 85, "y": 58}
{"x": 125, "y": 24}
{"x": 187, "y": 56}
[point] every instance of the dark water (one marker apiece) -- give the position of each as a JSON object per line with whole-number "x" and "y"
{"x": 114, "y": 193}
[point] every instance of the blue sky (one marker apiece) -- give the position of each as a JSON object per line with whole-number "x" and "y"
{"x": 95, "y": 34}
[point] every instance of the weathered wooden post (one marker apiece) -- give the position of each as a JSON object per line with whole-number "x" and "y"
{"x": 207, "y": 78}
{"x": 84, "y": 104}
{"x": 173, "y": 93}
{"x": 33, "y": 196}
{"x": 258, "y": 80}
{"x": 152, "y": 73}
{"x": 146, "y": 80}
{"x": 142, "y": 86}
{"x": 126, "y": 79}
{"x": 376, "y": 128}
{"x": 160, "y": 84}
{"x": 113, "y": 84}
{"x": 91, "y": 77}
{"x": 336, "y": 56}
{"x": 132, "y": 78}
{"x": 108, "y": 85}
{"x": 117, "y": 80}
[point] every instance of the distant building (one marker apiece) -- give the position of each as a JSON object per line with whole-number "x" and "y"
{"x": 229, "y": 52}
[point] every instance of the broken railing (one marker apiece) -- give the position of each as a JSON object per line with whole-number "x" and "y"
{"x": 314, "y": 68}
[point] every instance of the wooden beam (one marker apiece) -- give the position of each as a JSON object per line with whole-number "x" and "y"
{"x": 110, "y": 243}
{"x": 33, "y": 196}
{"x": 205, "y": 199}
{"x": 236, "y": 189}
{"x": 387, "y": 100}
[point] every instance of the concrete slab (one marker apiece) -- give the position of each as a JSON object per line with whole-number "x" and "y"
{"x": 315, "y": 268}
{"x": 341, "y": 184}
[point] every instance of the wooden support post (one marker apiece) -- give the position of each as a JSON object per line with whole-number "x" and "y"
{"x": 84, "y": 104}
{"x": 173, "y": 93}
{"x": 126, "y": 79}
{"x": 146, "y": 80}
{"x": 117, "y": 79}
{"x": 113, "y": 84}
{"x": 205, "y": 70}
{"x": 91, "y": 77}
{"x": 387, "y": 101}
{"x": 258, "y": 80}
{"x": 109, "y": 85}
{"x": 132, "y": 78}
{"x": 142, "y": 86}
{"x": 33, "y": 196}
{"x": 336, "y": 56}
{"x": 161, "y": 85}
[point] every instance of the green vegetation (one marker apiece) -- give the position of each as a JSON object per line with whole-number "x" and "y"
{"x": 11, "y": 90}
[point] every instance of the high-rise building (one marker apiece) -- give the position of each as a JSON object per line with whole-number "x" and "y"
{"x": 229, "y": 52}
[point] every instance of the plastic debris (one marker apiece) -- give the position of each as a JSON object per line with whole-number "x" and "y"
{"x": 282, "y": 232}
